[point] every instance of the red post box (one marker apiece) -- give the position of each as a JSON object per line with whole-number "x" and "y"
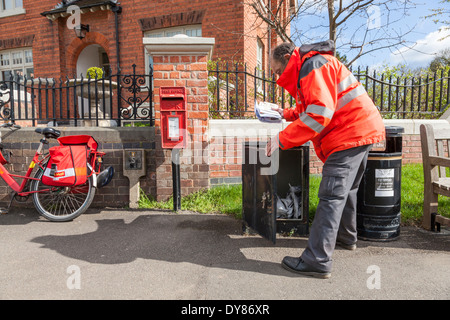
{"x": 173, "y": 117}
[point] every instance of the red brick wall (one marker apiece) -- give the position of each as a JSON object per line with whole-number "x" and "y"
{"x": 412, "y": 151}
{"x": 56, "y": 49}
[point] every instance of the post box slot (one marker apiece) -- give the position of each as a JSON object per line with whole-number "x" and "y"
{"x": 172, "y": 104}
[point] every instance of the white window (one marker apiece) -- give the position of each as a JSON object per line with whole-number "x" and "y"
{"x": 197, "y": 32}
{"x": 191, "y": 31}
{"x": 259, "y": 63}
{"x": 17, "y": 62}
{"x": 11, "y": 7}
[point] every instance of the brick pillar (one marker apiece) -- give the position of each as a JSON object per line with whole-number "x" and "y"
{"x": 182, "y": 62}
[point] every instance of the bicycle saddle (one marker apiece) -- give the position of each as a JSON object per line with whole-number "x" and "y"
{"x": 49, "y": 132}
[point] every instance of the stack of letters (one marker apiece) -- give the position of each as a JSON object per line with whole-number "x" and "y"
{"x": 265, "y": 113}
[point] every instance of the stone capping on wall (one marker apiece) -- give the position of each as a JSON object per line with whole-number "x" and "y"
{"x": 412, "y": 126}
{"x": 100, "y": 134}
{"x": 251, "y": 128}
{"x": 179, "y": 45}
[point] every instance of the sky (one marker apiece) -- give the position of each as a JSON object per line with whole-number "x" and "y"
{"x": 423, "y": 35}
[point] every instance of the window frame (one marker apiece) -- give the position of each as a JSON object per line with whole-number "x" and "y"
{"x": 159, "y": 33}
{"x": 24, "y": 65}
{"x": 259, "y": 64}
{"x": 15, "y": 10}
{"x": 179, "y": 30}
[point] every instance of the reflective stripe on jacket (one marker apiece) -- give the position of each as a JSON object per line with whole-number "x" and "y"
{"x": 333, "y": 109}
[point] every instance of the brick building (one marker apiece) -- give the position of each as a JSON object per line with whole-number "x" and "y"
{"x": 37, "y": 37}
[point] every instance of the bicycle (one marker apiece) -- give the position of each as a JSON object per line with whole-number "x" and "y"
{"x": 58, "y": 204}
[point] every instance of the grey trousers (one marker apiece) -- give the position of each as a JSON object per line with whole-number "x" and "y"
{"x": 335, "y": 216}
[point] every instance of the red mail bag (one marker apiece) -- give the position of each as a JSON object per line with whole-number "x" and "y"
{"x": 67, "y": 166}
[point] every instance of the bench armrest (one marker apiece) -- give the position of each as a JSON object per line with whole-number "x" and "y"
{"x": 439, "y": 161}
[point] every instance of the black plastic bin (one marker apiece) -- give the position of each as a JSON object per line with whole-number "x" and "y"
{"x": 263, "y": 181}
{"x": 379, "y": 195}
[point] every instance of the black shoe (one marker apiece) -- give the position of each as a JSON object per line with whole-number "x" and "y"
{"x": 297, "y": 265}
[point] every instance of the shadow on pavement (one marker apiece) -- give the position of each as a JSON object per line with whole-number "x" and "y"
{"x": 207, "y": 240}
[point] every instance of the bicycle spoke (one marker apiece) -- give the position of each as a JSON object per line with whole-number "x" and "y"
{"x": 63, "y": 201}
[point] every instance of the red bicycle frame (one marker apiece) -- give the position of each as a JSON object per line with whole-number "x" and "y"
{"x": 9, "y": 177}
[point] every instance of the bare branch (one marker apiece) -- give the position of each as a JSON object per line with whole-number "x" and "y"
{"x": 365, "y": 39}
{"x": 275, "y": 24}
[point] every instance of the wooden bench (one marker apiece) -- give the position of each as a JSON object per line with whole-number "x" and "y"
{"x": 436, "y": 157}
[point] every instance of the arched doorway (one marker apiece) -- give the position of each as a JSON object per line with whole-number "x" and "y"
{"x": 93, "y": 56}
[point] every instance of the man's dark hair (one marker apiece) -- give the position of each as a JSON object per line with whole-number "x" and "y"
{"x": 279, "y": 51}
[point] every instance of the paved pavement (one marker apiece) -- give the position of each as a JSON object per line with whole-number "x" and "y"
{"x": 120, "y": 254}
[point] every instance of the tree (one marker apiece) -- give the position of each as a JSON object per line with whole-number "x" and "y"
{"x": 374, "y": 19}
{"x": 441, "y": 15}
{"x": 441, "y": 61}
{"x": 274, "y": 17}
{"x": 402, "y": 92}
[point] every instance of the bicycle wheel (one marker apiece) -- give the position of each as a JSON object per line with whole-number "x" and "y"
{"x": 62, "y": 203}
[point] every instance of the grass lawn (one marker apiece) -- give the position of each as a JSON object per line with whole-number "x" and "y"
{"x": 222, "y": 199}
{"x": 228, "y": 199}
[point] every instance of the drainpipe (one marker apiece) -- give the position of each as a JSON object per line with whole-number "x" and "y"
{"x": 269, "y": 44}
{"x": 117, "y": 10}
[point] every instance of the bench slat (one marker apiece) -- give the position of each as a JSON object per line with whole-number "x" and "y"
{"x": 443, "y": 220}
{"x": 442, "y": 186}
{"x": 440, "y": 153}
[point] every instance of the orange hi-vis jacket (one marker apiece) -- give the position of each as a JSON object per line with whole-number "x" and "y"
{"x": 333, "y": 109}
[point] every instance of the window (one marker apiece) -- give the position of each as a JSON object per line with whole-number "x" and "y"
{"x": 197, "y": 32}
{"x": 104, "y": 62}
{"x": 17, "y": 62}
{"x": 191, "y": 31}
{"x": 259, "y": 63}
{"x": 11, "y": 7}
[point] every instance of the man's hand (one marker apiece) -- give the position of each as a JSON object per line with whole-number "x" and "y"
{"x": 272, "y": 146}
{"x": 280, "y": 111}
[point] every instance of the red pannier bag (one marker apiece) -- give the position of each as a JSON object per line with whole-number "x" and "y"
{"x": 80, "y": 140}
{"x": 68, "y": 161}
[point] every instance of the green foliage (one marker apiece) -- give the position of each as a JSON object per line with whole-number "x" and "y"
{"x": 314, "y": 183}
{"x": 342, "y": 57}
{"x": 401, "y": 92}
{"x": 441, "y": 60}
{"x": 221, "y": 199}
{"x": 226, "y": 79}
{"x": 95, "y": 73}
{"x": 137, "y": 124}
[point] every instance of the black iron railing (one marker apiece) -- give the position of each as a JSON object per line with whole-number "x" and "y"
{"x": 113, "y": 100}
{"x": 411, "y": 97}
{"x": 233, "y": 90}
